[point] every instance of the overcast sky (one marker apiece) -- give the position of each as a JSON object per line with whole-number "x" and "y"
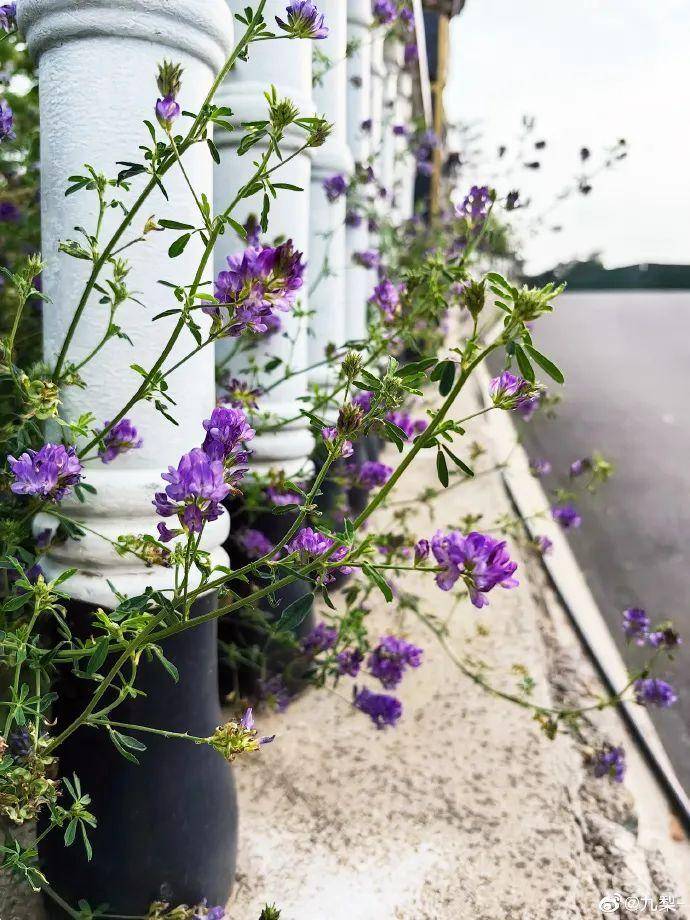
{"x": 589, "y": 72}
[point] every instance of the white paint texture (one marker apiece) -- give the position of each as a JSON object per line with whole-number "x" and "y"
{"x": 285, "y": 64}
{"x": 97, "y": 64}
{"x": 327, "y": 234}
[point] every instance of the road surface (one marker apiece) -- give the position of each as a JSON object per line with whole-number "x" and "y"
{"x": 626, "y": 358}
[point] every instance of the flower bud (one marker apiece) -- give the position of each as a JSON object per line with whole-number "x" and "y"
{"x": 350, "y": 419}
{"x": 169, "y": 79}
{"x": 475, "y": 296}
{"x": 352, "y": 365}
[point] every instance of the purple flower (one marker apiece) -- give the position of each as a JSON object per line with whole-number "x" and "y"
{"x": 476, "y": 204}
{"x": 366, "y": 125}
{"x": 540, "y": 467}
{"x": 411, "y": 54}
{"x": 353, "y": 219}
{"x": 480, "y": 560}
{"x": 372, "y": 474}
{"x": 528, "y": 407}
{"x": 665, "y": 638}
{"x": 543, "y": 544}
{"x": 406, "y": 17}
{"x": 389, "y": 660}
{"x": 274, "y": 692}
{"x": 167, "y": 111}
{"x": 281, "y": 496}
{"x": 240, "y": 394}
{"x": 123, "y": 437}
{"x": 422, "y": 548}
{"x": 636, "y": 625}
{"x": 303, "y": 20}
{"x": 334, "y": 187}
{"x": 226, "y": 431}
{"x": 257, "y": 282}
{"x": 197, "y": 487}
{"x": 400, "y": 130}
{"x": 255, "y": 543}
{"x": 510, "y": 391}
{"x": 363, "y": 400}
{"x": 386, "y": 298}
{"x": 382, "y": 709}
{"x": 8, "y": 16}
{"x": 321, "y": 638}
{"x": 6, "y": 121}
{"x": 567, "y": 516}
{"x": 368, "y": 258}
{"x": 651, "y": 691}
{"x": 49, "y": 472}
{"x": 349, "y": 661}
{"x": 384, "y": 11}
{"x": 578, "y": 467}
{"x": 309, "y": 544}
{"x": 9, "y": 212}
{"x": 609, "y": 761}
{"x": 330, "y": 436}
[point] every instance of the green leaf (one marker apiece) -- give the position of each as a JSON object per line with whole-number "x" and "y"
{"x": 526, "y": 368}
{"x": 380, "y": 582}
{"x": 178, "y": 246}
{"x": 447, "y": 378}
{"x": 442, "y": 469}
{"x": 213, "y": 150}
{"x": 295, "y": 613}
{"x": 458, "y": 462}
{"x": 545, "y": 364}
{"x": 174, "y": 224}
{"x": 98, "y": 656}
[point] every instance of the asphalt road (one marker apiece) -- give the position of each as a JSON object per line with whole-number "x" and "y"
{"x": 626, "y": 358}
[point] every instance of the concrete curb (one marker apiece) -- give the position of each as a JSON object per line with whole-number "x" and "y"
{"x": 568, "y": 580}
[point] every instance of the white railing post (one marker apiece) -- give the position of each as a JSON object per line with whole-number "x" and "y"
{"x": 285, "y": 64}
{"x": 97, "y": 67}
{"x": 327, "y": 235}
{"x": 359, "y": 98}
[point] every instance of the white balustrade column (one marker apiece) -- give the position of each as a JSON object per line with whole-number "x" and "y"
{"x": 393, "y": 52}
{"x": 327, "y": 234}
{"x": 285, "y": 64}
{"x": 97, "y": 67}
{"x": 359, "y": 92}
{"x": 378, "y": 74}
{"x": 405, "y": 166}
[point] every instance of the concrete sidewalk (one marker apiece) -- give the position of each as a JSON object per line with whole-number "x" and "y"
{"x": 465, "y": 809}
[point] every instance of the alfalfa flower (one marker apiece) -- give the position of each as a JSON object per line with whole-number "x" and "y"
{"x": 238, "y": 737}
{"x": 609, "y": 761}
{"x": 391, "y": 657}
{"x": 48, "y": 473}
{"x": 303, "y": 20}
{"x": 567, "y": 516}
{"x": 509, "y": 391}
{"x": 194, "y": 494}
{"x": 480, "y": 560}
{"x": 382, "y": 709}
{"x": 121, "y": 438}
{"x": 652, "y": 691}
{"x": 167, "y": 110}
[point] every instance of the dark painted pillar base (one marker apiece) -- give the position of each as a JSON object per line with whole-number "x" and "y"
{"x": 168, "y": 827}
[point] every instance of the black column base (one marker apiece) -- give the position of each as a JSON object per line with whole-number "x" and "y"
{"x": 167, "y": 829}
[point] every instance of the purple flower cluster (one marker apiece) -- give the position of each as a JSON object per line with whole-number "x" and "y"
{"x": 411, "y": 54}
{"x": 309, "y": 544}
{"x": 609, "y": 761}
{"x": 196, "y": 489}
{"x": 330, "y": 436}
{"x": 257, "y": 282}
{"x": 367, "y": 258}
{"x": 410, "y": 427}
{"x": 363, "y": 400}
{"x": 386, "y": 298}
{"x": 372, "y": 474}
{"x": 303, "y": 20}
{"x": 384, "y": 11}
{"x": 382, "y": 709}
{"x": 543, "y": 544}
{"x": 424, "y": 152}
{"x": 540, "y": 467}
{"x": 476, "y": 204}
{"x": 49, "y": 472}
{"x": 349, "y": 662}
{"x": 255, "y": 543}
{"x": 321, "y": 638}
{"x": 567, "y": 516}
{"x": 651, "y": 691}
{"x": 636, "y": 625}
{"x": 6, "y": 122}
{"x": 480, "y": 560}
{"x": 240, "y": 393}
{"x": 529, "y": 406}
{"x": 335, "y": 187}
{"x": 8, "y": 16}
{"x": 578, "y": 467}
{"x": 226, "y": 433}
{"x": 167, "y": 110}
{"x": 391, "y": 657}
{"x": 509, "y": 391}
{"x": 120, "y": 439}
